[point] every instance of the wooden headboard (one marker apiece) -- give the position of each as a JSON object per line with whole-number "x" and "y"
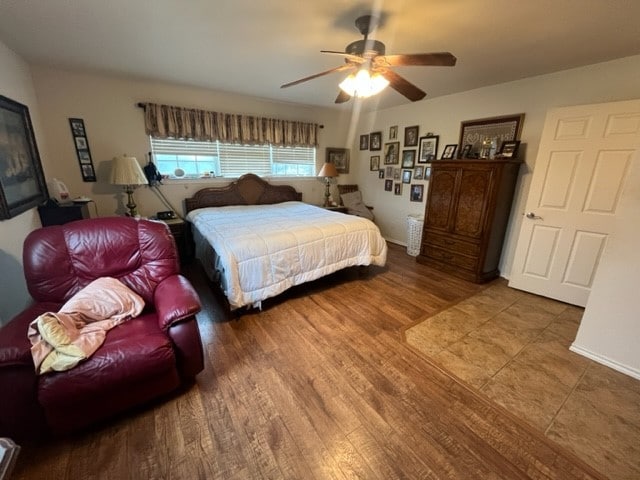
{"x": 249, "y": 189}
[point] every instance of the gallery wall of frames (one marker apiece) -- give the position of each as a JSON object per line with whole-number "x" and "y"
{"x": 405, "y": 162}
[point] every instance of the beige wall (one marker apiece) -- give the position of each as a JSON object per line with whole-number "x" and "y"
{"x": 610, "y": 329}
{"x": 115, "y": 126}
{"x": 16, "y": 84}
{"x": 610, "y": 81}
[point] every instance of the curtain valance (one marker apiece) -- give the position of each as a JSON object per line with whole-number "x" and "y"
{"x": 166, "y": 121}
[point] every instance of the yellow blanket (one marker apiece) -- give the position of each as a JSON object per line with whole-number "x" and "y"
{"x": 59, "y": 341}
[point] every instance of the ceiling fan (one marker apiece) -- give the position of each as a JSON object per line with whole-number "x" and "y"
{"x": 367, "y": 58}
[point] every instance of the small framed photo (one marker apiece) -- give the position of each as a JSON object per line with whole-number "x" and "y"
{"x": 406, "y": 176}
{"x": 417, "y": 193}
{"x": 375, "y": 141}
{"x": 449, "y": 151}
{"x": 396, "y": 174}
{"x": 380, "y": 173}
{"x": 509, "y": 149}
{"x": 428, "y": 148}
{"x": 391, "y": 153}
{"x": 411, "y": 136}
{"x": 418, "y": 173}
{"x": 364, "y": 142}
{"x": 77, "y": 127}
{"x": 339, "y": 157}
{"x": 408, "y": 158}
{"x": 374, "y": 163}
{"x": 427, "y": 173}
{"x": 393, "y": 132}
{"x": 389, "y": 172}
{"x": 397, "y": 189}
{"x": 81, "y": 143}
{"x": 388, "y": 185}
{"x": 466, "y": 151}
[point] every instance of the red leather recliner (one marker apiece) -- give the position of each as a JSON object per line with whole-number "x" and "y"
{"x": 141, "y": 359}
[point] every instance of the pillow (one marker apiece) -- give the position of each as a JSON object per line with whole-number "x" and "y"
{"x": 105, "y": 298}
{"x": 355, "y": 206}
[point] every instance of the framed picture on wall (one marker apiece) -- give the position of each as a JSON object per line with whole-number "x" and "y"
{"x": 364, "y": 142}
{"x": 339, "y": 157}
{"x": 428, "y": 148}
{"x": 374, "y": 163}
{"x": 417, "y": 193}
{"x": 411, "y": 136}
{"x": 81, "y": 144}
{"x": 375, "y": 141}
{"x": 22, "y": 184}
{"x": 504, "y": 129}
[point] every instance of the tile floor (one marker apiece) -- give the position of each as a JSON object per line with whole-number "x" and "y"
{"x": 514, "y": 348}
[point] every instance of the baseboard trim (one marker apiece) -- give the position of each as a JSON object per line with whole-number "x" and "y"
{"x": 632, "y": 372}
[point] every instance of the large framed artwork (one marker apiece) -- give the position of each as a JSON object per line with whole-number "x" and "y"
{"x": 339, "y": 157}
{"x": 22, "y": 184}
{"x": 505, "y": 129}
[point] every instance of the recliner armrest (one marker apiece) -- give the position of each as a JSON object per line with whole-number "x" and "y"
{"x": 175, "y": 299}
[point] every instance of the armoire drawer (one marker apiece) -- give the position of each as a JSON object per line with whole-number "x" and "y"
{"x": 450, "y": 257}
{"x": 448, "y": 243}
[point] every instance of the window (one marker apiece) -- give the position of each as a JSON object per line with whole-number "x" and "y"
{"x": 199, "y": 159}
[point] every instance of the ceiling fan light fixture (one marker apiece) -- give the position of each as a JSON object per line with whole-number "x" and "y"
{"x": 363, "y": 84}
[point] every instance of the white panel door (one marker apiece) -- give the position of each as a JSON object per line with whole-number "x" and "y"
{"x": 584, "y": 156}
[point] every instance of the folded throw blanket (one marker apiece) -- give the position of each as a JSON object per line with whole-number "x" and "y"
{"x": 60, "y": 340}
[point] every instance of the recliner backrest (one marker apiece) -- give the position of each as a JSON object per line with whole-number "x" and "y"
{"x": 62, "y": 259}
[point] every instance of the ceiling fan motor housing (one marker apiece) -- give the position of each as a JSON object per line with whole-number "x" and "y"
{"x": 359, "y": 47}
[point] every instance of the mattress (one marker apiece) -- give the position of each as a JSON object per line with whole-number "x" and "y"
{"x": 260, "y": 251}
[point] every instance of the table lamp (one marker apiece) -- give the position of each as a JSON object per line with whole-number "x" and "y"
{"x": 126, "y": 171}
{"x": 328, "y": 171}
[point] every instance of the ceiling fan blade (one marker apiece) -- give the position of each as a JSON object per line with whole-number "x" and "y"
{"x": 342, "y": 97}
{"x": 438, "y": 59}
{"x": 348, "y": 56}
{"x": 403, "y": 86}
{"x": 336, "y": 69}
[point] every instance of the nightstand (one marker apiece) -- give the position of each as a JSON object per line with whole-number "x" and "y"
{"x": 337, "y": 208}
{"x": 182, "y": 236}
{"x": 61, "y": 214}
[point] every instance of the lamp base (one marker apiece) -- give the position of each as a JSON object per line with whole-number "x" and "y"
{"x": 327, "y": 192}
{"x": 131, "y": 205}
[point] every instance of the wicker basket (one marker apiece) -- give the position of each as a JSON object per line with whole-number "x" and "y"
{"x": 414, "y": 234}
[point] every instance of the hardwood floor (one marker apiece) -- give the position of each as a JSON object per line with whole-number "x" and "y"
{"x": 319, "y": 385}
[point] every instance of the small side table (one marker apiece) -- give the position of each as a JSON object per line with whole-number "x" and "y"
{"x": 182, "y": 235}
{"x": 61, "y": 214}
{"x": 337, "y": 208}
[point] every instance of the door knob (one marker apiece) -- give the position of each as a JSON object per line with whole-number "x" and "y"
{"x": 533, "y": 216}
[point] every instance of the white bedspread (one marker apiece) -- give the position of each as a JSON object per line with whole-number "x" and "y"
{"x": 265, "y": 249}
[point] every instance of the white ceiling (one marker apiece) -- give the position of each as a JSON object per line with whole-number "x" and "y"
{"x": 252, "y": 47}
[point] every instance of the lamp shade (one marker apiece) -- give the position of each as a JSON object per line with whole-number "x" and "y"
{"x": 126, "y": 171}
{"x": 328, "y": 170}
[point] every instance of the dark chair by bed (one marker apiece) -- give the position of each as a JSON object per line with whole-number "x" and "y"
{"x": 140, "y": 359}
{"x": 351, "y": 198}
{"x": 349, "y": 188}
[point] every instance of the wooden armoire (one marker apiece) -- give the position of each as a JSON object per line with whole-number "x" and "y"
{"x": 466, "y": 216}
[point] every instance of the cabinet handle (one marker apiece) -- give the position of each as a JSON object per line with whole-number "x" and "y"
{"x": 449, "y": 242}
{"x": 447, "y": 256}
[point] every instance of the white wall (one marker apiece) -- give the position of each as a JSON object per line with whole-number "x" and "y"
{"x": 16, "y": 84}
{"x": 610, "y": 326}
{"x": 115, "y": 125}
{"x": 604, "y": 82}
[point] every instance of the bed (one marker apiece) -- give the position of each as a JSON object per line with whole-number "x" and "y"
{"x": 257, "y": 240}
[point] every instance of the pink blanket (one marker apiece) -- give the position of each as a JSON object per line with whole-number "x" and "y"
{"x": 59, "y": 341}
